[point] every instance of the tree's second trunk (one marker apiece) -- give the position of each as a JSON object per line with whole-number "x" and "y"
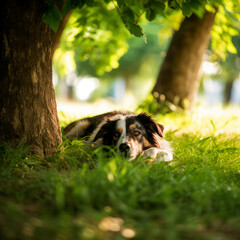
{"x": 28, "y": 111}
{"x": 228, "y": 91}
{"x": 56, "y": 36}
{"x": 179, "y": 75}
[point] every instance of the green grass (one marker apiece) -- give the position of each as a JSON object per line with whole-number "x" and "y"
{"x": 78, "y": 194}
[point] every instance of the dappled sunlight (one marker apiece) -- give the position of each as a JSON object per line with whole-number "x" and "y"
{"x": 64, "y": 62}
{"x": 116, "y": 225}
{"x": 111, "y": 224}
{"x": 205, "y": 121}
{"x": 210, "y": 68}
{"x": 128, "y": 233}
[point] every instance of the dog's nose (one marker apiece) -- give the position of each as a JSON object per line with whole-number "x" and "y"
{"x": 124, "y": 147}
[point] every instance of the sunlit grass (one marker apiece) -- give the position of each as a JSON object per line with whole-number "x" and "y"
{"x": 80, "y": 194}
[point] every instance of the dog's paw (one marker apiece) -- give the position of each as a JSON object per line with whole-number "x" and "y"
{"x": 157, "y": 155}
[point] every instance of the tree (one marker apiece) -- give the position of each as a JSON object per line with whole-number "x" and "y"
{"x": 28, "y": 110}
{"x": 179, "y": 77}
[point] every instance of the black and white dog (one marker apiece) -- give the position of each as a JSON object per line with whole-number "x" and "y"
{"x": 130, "y": 134}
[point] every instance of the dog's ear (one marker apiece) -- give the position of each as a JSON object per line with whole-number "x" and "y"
{"x": 150, "y": 125}
{"x": 101, "y": 132}
{"x": 105, "y": 132}
{"x": 160, "y": 130}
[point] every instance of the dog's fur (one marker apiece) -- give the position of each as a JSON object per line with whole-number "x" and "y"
{"x": 131, "y": 134}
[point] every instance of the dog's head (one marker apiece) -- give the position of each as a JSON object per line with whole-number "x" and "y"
{"x": 129, "y": 134}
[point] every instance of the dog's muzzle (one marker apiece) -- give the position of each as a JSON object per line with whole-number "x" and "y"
{"x": 125, "y": 149}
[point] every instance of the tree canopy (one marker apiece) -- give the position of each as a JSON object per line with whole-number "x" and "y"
{"x": 96, "y": 29}
{"x": 92, "y": 33}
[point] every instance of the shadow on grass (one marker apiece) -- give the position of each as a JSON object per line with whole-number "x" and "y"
{"x": 80, "y": 194}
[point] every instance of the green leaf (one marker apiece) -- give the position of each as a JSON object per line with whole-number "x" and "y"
{"x": 80, "y": 3}
{"x": 159, "y": 7}
{"x": 128, "y": 15}
{"x": 146, "y": 3}
{"x": 231, "y": 48}
{"x": 179, "y": 2}
{"x": 186, "y": 10}
{"x": 173, "y": 4}
{"x": 195, "y": 4}
{"x": 67, "y": 7}
{"x": 72, "y": 4}
{"x": 90, "y": 3}
{"x": 120, "y": 3}
{"x": 197, "y": 8}
{"x": 135, "y": 29}
{"x": 52, "y": 17}
{"x": 151, "y": 15}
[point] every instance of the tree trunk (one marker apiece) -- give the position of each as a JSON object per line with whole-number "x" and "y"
{"x": 28, "y": 111}
{"x": 179, "y": 76}
{"x": 228, "y": 91}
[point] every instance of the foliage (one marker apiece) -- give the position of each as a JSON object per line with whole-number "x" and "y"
{"x": 52, "y": 16}
{"x": 77, "y": 195}
{"x": 129, "y": 65}
{"x": 157, "y": 104}
{"x": 229, "y": 69}
{"x": 139, "y": 54}
{"x": 90, "y": 38}
{"x": 130, "y": 11}
{"x": 96, "y": 34}
{"x": 225, "y": 28}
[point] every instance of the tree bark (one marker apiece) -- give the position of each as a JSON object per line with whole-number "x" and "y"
{"x": 28, "y": 111}
{"x": 179, "y": 76}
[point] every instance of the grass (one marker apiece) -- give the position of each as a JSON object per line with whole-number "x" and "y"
{"x": 78, "y": 194}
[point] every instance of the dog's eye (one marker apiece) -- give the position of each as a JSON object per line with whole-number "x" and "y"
{"x": 137, "y": 133}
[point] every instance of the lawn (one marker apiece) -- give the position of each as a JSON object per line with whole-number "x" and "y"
{"x": 79, "y": 194}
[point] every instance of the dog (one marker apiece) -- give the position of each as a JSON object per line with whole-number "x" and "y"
{"x": 132, "y": 135}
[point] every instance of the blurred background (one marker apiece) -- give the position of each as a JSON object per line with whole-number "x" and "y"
{"x": 97, "y": 63}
